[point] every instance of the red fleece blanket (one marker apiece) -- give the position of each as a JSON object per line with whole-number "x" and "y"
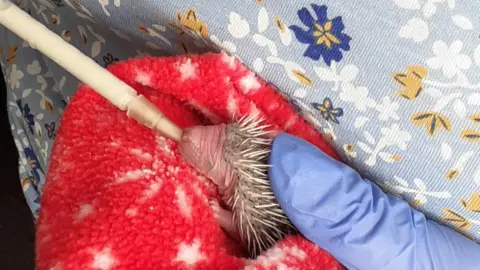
{"x": 118, "y": 196}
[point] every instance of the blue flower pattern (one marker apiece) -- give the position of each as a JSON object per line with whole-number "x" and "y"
{"x": 27, "y": 115}
{"x": 51, "y": 130}
{"x": 33, "y": 163}
{"x": 328, "y": 111}
{"x": 325, "y": 37}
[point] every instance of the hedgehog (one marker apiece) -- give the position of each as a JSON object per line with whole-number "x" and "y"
{"x": 235, "y": 157}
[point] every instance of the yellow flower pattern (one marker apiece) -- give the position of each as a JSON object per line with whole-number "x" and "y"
{"x": 452, "y": 174}
{"x": 472, "y": 204}
{"x": 190, "y": 21}
{"x": 12, "y": 55}
{"x": 302, "y": 78}
{"x": 435, "y": 121}
{"x": 411, "y": 81}
{"x": 324, "y": 36}
{"x": 432, "y": 121}
{"x": 415, "y": 203}
{"x": 350, "y": 150}
{"x": 475, "y": 118}
{"x": 458, "y": 220}
{"x": 279, "y": 24}
{"x": 472, "y": 135}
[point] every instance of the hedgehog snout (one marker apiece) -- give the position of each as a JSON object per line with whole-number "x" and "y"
{"x": 202, "y": 147}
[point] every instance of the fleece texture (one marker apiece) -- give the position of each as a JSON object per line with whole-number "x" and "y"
{"x": 119, "y": 196}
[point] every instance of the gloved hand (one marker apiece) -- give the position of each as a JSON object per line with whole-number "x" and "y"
{"x": 352, "y": 219}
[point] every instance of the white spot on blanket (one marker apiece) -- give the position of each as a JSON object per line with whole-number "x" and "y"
{"x": 114, "y": 144}
{"x": 158, "y": 165}
{"x": 272, "y": 106}
{"x": 172, "y": 170}
{"x": 190, "y": 254}
{"x": 183, "y": 202}
{"x": 152, "y": 189}
{"x": 274, "y": 255}
{"x": 229, "y": 60}
{"x": 205, "y": 182}
{"x": 143, "y": 155}
{"x": 281, "y": 266}
{"x": 85, "y": 210}
{"x": 199, "y": 192}
{"x": 134, "y": 175}
{"x": 291, "y": 121}
{"x": 277, "y": 256}
{"x": 162, "y": 145}
{"x": 131, "y": 212}
{"x": 249, "y": 83}
{"x": 143, "y": 78}
{"x": 44, "y": 240}
{"x": 187, "y": 70}
{"x": 254, "y": 112}
{"x": 103, "y": 259}
{"x": 215, "y": 119}
{"x": 297, "y": 252}
{"x": 57, "y": 266}
{"x": 231, "y": 105}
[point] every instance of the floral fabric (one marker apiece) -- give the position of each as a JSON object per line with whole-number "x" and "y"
{"x": 394, "y": 86}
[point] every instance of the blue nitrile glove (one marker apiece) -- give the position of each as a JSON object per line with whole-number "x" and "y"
{"x": 352, "y": 219}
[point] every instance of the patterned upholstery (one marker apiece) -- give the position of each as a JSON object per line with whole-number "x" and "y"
{"x": 393, "y": 85}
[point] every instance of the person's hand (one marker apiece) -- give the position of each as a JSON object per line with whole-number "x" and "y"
{"x": 352, "y": 219}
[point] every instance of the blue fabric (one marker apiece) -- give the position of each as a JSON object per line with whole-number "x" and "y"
{"x": 354, "y": 220}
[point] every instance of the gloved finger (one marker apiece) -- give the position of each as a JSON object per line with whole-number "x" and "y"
{"x": 332, "y": 206}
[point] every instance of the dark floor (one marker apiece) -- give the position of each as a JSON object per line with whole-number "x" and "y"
{"x": 16, "y": 224}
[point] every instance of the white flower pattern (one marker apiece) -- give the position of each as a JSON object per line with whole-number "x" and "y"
{"x": 419, "y": 194}
{"x": 415, "y": 29}
{"x": 448, "y": 58}
{"x": 238, "y": 27}
{"x": 393, "y": 136}
{"x": 356, "y": 95}
{"x": 387, "y": 109}
{"x": 15, "y": 77}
